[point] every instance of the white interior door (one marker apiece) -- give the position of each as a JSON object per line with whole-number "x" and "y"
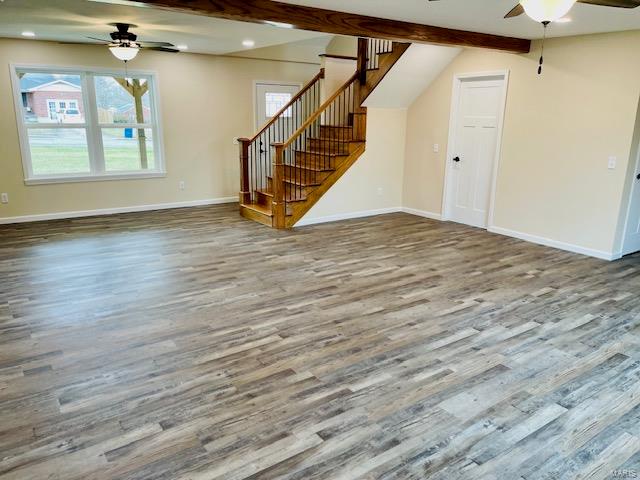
{"x": 631, "y": 241}
{"x": 477, "y": 114}
{"x": 270, "y": 98}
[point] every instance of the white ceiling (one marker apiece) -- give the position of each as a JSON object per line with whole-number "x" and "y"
{"x": 485, "y": 16}
{"x": 74, "y": 20}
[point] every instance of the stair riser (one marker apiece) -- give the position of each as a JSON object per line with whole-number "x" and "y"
{"x": 256, "y": 216}
{"x": 304, "y": 175}
{"x": 340, "y": 133}
{"x": 292, "y": 192}
{"x": 315, "y": 160}
{"x": 262, "y": 199}
{"x": 329, "y": 146}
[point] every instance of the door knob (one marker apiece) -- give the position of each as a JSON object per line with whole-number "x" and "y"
{"x": 456, "y": 159}
{"x": 638, "y": 177}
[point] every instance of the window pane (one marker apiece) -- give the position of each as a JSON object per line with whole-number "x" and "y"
{"x": 58, "y": 150}
{"x": 51, "y": 98}
{"x": 128, "y": 149}
{"x": 275, "y": 101}
{"x": 123, "y": 100}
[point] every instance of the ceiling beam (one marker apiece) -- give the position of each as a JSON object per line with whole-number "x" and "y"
{"x": 339, "y": 23}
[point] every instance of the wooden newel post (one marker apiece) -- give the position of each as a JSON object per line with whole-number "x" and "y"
{"x": 278, "y": 204}
{"x": 362, "y": 60}
{"x": 245, "y": 193}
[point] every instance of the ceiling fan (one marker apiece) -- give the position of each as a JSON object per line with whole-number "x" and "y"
{"x": 551, "y": 10}
{"x": 125, "y": 44}
{"x": 548, "y": 11}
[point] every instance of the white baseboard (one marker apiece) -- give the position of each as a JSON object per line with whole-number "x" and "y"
{"x": 111, "y": 211}
{"x": 422, "y": 213}
{"x": 347, "y": 216}
{"x": 548, "y": 242}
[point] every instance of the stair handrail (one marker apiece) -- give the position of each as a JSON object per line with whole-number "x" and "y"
{"x": 253, "y": 167}
{"x": 316, "y": 115}
{"x": 319, "y": 76}
{"x": 350, "y": 105}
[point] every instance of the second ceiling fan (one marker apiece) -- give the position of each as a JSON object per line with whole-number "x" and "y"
{"x": 551, "y": 10}
{"x": 547, "y": 11}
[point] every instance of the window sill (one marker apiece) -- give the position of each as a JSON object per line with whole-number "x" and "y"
{"x": 94, "y": 178}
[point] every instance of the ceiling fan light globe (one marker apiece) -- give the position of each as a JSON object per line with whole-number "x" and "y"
{"x": 547, "y": 10}
{"x": 124, "y": 52}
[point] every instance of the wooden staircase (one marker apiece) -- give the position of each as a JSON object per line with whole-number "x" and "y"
{"x": 307, "y": 146}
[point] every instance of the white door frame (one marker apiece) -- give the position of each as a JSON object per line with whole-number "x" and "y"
{"x": 635, "y": 184}
{"x": 458, "y": 79}
{"x": 255, "y": 95}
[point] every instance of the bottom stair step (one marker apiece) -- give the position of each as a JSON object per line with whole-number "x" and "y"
{"x": 258, "y": 213}
{"x": 262, "y": 213}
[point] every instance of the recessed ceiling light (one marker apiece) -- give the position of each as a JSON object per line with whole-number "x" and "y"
{"x": 279, "y": 24}
{"x": 563, "y": 20}
{"x": 182, "y": 47}
{"x": 248, "y": 43}
{"x": 28, "y": 34}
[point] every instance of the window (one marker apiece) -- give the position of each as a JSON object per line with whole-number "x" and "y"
{"x": 78, "y": 125}
{"x": 275, "y": 101}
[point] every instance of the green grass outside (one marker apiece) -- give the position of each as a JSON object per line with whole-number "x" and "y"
{"x": 57, "y": 160}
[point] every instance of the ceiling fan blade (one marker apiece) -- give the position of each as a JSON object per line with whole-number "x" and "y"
{"x": 155, "y": 44}
{"x": 515, "y": 11}
{"x": 100, "y": 39}
{"x": 162, "y": 49}
{"x": 74, "y": 43}
{"x": 613, "y": 3}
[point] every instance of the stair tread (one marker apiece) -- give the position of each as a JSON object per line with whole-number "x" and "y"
{"x": 337, "y": 126}
{"x": 311, "y": 168}
{"x": 292, "y": 199}
{"x": 299, "y": 183}
{"x": 322, "y": 152}
{"x": 335, "y": 140}
{"x": 263, "y": 209}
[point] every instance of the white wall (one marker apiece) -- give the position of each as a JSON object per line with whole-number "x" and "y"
{"x": 336, "y": 72}
{"x": 374, "y": 183}
{"x": 411, "y": 75}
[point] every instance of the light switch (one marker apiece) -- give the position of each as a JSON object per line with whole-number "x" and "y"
{"x": 612, "y": 163}
{"x": 436, "y": 148}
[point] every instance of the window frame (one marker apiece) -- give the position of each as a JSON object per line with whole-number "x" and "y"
{"x": 91, "y": 125}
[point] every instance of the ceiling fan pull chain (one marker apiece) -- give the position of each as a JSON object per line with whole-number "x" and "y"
{"x": 544, "y": 37}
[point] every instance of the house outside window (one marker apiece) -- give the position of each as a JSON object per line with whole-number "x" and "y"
{"x": 87, "y": 124}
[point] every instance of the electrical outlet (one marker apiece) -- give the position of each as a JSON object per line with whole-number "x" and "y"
{"x": 612, "y": 163}
{"x": 380, "y": 190}
{"x": 181, "y": 185}
{"x": 4, "y": 198}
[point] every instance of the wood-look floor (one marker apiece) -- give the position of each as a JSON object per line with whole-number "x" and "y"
{"x": 195, "y": 345}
